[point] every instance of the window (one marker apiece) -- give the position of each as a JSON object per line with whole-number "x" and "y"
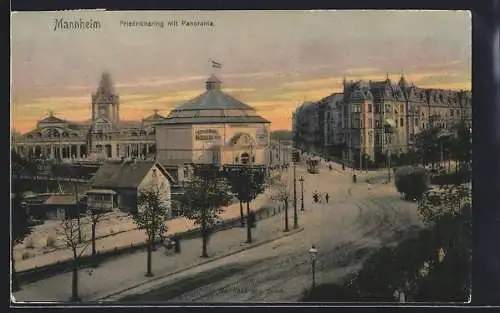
{"x": 377, "y": 108}
{"x": 370, "y": 137}
{"x": 154, "y": 172}
{"x": 401, "y": 107}
{"x": 377, "y": 124}
{"x": 401, "y": 122}
{"x": 370, "y": 123}
{"x": 356, "y": 122}
{"x": 369, "y": 108}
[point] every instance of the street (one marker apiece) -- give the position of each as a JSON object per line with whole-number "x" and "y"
{"x": 358, "y": 219}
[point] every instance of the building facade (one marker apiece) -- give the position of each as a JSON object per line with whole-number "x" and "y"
{"x": 104, "y": 136}
{"x": 213, "y": 128}
{"x": 370, "y": 119}
{"x": 117, "y": 184}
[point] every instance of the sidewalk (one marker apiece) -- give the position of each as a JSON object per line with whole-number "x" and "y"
{"x": 117, "y": 274}
{"x": 132, "y": 237}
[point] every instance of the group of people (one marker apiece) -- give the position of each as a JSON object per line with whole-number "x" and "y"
{"x": 319, "y": 197}
{"x": 282, "y": 167}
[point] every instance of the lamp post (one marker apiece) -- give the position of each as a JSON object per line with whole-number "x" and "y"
{"x": 313, "y": 252}
{"x": 301, "y": 180}
{"x": 388, "y": 131}
{"x": 295, "y": 217}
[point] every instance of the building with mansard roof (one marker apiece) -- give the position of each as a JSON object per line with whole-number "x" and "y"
{"x": 213, "y": 128}
{"x": 370, "y": 118}
{"x": 104, "y": 136}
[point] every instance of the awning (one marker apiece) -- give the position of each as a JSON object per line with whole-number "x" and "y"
{"x": 101, "y": 191}
{"x": 390, "y": 122}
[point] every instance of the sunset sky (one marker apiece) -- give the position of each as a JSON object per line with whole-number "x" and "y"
{"x": 270, "y": 60}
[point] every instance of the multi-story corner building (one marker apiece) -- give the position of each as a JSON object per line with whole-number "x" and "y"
{"x": 369, "y": 119}
{"x": 105, "y": 136}
{"x": 333, "y": 134}
{"x": 307, "y": 133}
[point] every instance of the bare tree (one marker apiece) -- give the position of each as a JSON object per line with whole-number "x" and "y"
{"x": 151, "y": 214}
{"x": 95, "y": 215}
{"x": 203, "y": 201}
{"x": 281, "y": 194}
{"x": 69, "y": 231}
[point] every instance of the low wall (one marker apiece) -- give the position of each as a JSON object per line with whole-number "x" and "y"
{"x": 101, "y": 256}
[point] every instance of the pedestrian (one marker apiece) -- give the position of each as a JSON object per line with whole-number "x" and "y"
{"x": 315, "y": 197}
{"x": 327, "y": 197}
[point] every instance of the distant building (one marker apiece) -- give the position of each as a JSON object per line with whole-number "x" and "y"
{"x": 355, "y": 123}
{"x": 105, "y": 136}
{"x": 117, "y": 184}
{"x": 54, "y": 206}
{"x": 213, "y": 128}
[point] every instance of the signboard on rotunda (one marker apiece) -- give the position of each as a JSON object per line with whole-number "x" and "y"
{"x": 207, "y": 135}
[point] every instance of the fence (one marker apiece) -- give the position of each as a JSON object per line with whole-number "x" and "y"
{"x": 86, "y": 261}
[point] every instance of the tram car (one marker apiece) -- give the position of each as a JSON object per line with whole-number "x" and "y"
{"x": 313, "y": 165}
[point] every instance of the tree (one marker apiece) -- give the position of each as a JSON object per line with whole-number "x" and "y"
{"x": 427, "y": 146}
{"x": 247, "y": 183}
{"x": 412, "y": 182}
{"x": 448, "y": 212}
{"x": 69, "y": 231}
{"x": 68, "y": 171}
{"x": 95, "y": 215}
{"x": 204, "y": 198}
{"x": 446, "y": 200}
{"x": 281, "y": 135}
{"x": 237, "y": 182}
{"x": 281, "y": 194}
{"x": 461, "y": 145}
{"x": 150, "y": 216}
{"x": 20, "y": 226}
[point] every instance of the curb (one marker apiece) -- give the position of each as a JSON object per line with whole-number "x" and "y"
{"x": 257, "y": 244}
{"x": 123, "y": 247}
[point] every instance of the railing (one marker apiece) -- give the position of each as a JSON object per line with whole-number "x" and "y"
{"x": 64, "y": 266}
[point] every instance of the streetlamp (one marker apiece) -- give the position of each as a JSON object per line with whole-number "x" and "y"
{"x": 295, "y": 217}
{"x": 301, "y": 180}
{"x": 388, "y": 131}
{"x": 313, "y": 252}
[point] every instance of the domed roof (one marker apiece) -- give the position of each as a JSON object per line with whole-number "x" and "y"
{"x": 154, "y": 117}
{"x": 213, "y": 106}
{"x": 51, "y": 119}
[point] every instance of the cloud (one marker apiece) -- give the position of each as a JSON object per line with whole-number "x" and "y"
{"x": 363, "y": 70}
{"x": 274, "y": 101}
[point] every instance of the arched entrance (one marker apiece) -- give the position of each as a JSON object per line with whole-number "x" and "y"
{"x": 245, "y": 158}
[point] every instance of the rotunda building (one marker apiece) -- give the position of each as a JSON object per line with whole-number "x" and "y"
{"x": 213, "y": 128}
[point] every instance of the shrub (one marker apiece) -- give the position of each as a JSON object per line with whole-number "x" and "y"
{"x": 27, "y": 255}
{"x": 412, "y": 182}
{"x": 29, "y": 244}
{"x": 50, "y": 242}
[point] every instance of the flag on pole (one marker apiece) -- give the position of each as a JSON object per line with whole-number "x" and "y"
{"x": 216, "y": 64}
